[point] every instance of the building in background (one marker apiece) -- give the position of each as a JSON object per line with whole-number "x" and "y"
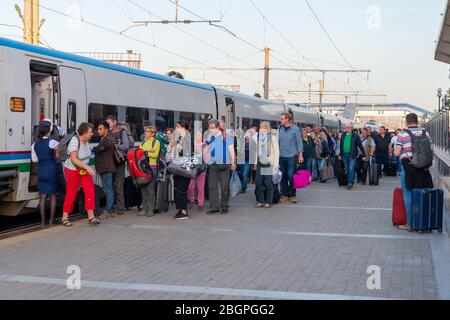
{"x": 128, "y": 59}
{"x": 391, "y": 116}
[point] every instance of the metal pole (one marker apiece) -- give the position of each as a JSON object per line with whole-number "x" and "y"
{"x": 266, "y": 72}
{"x": 36, "y": 26}
{"x": 28, "y": 21}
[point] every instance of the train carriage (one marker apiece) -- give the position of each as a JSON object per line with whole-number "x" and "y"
{"x": 38, "y": 83}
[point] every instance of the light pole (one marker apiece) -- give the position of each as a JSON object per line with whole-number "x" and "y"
{"x": 439, "y": 95}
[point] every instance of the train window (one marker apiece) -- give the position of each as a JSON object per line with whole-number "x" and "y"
{"x": 165, "y": 119}
{"x": 246, "y": 123}
{"x": 256, "y": 122}
{"x": 17, "y": 104}
{"x": 189, "y": 117}
{"x": 204, "y": 118}
{"x": 98, "y": 112}
{"x": 135, "y": 117}
{"x": 71, "y": 117}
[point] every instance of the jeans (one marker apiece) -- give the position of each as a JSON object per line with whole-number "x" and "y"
{"x": 244, "y": 173}
{"x": 119, "y": 180}
{"x": 318, "y": 166}
{"x": 263, "y": 182}
{"x": 407, "y": 196}
{"x": 381, "y": 159}
{"x": 288, "y": 167}
{"x": 350, "y": 164}
{"x": 108, "y": 188}
{"x": 308, "y": 164}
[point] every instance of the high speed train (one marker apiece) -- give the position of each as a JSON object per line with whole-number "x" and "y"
{"x": 37, "y": 83}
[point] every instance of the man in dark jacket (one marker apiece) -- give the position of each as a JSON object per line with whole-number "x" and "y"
{"x": 105, "y": 166}
{"x": 350, "y": 143}
{"x": 382, "y": 141}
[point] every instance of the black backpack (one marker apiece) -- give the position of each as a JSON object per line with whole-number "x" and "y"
{"x": 422, "y": 151}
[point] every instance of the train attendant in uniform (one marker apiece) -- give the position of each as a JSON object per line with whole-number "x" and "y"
{"x": 78, "y": 172}
{"x": 43, "y": 153}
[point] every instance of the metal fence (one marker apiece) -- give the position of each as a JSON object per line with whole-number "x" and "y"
{"x": 438, "y": 127}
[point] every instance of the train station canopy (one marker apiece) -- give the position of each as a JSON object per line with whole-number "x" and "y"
{"x": 443, "y": 43}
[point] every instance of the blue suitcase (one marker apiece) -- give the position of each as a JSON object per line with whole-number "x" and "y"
{"x": 427, "y": 210}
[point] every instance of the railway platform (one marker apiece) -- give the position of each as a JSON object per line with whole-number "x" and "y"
{"x": 330, "y": 245}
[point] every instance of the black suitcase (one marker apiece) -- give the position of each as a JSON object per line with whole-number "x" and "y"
{"x": 374, "y": 176}
{"x": 162, "y": 194}
{"x": 390, "y": 168}
{"x": 132, "y": 194}
{"x": 341, "y": 174}
{"x": 427, "y": 210}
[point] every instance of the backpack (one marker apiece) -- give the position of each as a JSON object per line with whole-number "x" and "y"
{"x": 123, "y": 126}
{"x": 422, "y": 152}
{"x": 61, "y": 150}
{"x": 163, "y": 141}
{"x": 139, "y": 167}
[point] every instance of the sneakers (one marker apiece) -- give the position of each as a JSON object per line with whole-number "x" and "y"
{"x": 211, "y": 212}
{"x": 284, "y": 200}
{"x": 181, "y": 216}
{"x": 405, "y": 227}
{"x": 104, "y": 216}
{"x": 224, "y": 211}
{"x": 293, "y": 200}
{"x": 259, "y": 205}
{"x": 349, "y": 187}
{"x": 267, "y": 206}
{"x": 149, "y": 214}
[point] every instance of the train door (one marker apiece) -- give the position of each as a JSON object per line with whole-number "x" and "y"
{"x": 230, "y": 121}
{"x": 44, "y": 103}
{"x": 73, "y": 98}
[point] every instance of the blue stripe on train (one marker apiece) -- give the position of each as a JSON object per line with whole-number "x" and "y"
{"x": 96, "y": 63}
{"x": 10, "y": 157}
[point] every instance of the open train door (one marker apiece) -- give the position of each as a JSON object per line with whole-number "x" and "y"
{"x": 73, "y": 98}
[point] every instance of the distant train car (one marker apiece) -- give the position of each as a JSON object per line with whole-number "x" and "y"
{"x": 38, "y": 83}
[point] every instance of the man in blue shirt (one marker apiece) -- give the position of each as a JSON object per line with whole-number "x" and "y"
{"x": 222, "y": 160}
{"x": 291, "y": 152}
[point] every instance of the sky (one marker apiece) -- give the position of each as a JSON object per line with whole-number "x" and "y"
{"x": 395, "y": 39}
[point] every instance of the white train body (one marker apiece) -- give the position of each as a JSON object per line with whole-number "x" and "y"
{"x": 37, "y": 83}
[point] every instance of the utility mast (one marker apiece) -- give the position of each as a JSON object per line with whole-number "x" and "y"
{"x": 31, "y": 22}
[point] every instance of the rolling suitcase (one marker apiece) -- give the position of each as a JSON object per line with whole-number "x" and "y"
{"x": 341, "y": 174}
{"x": 390, "y": 168}
{"x": 162, "y": 194}
{"x": 132, "y": 194}
{"x": 398, "y": 208}
{"x": 374, "y": 176}
{"x": 427, "y": 210}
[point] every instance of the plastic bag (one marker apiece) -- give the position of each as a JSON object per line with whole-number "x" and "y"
{"x": 277, "y": 176}
{"x": 235, "y": 184}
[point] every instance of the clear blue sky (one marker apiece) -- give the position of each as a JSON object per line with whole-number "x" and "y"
{"x": 395, "y": 40}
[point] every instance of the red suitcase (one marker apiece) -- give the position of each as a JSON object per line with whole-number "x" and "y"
{"x": 398, "y": 208}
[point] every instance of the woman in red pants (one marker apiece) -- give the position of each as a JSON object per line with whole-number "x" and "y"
{"x": 78, "y": 172}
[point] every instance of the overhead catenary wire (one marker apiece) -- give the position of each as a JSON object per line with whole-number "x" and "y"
{"x": 107, "y": 29}
{"x": 333, "y": 42}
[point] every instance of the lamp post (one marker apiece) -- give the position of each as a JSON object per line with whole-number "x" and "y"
{"x": 439, "y": 95}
